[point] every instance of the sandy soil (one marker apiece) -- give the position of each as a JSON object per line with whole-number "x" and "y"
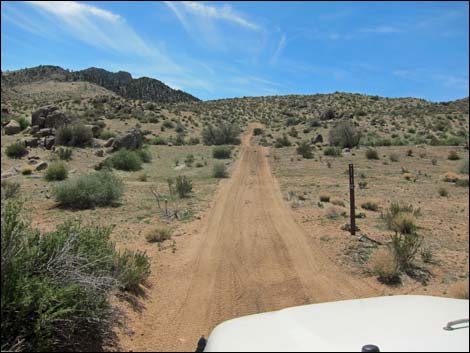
{"x": 246, "y": 255}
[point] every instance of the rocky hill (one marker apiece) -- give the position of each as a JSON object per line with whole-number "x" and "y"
{"x": 121, "y": 83}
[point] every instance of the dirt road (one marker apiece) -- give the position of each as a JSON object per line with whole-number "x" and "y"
{"x": 246, "y": 255}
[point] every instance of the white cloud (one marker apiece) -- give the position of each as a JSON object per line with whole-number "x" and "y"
{"x": 382, "y": 29}
{"x": 226, "y": 12}
{"x": 72, "y": 8}
{"x": 280, "y": 47}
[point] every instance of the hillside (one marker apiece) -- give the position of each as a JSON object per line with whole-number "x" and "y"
{"x": 120, "y": 83}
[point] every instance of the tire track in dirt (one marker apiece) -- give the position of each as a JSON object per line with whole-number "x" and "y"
{"x": 247, "y": 255}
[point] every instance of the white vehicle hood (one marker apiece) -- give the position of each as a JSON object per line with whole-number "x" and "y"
{"x": 408, "y": 323}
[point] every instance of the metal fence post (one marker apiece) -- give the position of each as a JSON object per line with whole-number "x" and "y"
{"x": 352, "y": 205}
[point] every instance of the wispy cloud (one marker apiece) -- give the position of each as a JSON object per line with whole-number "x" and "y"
{"x": 382, "y": 29}
{"x": 280, "y": 47}
{"x": 426, "y": 75}
{"x": 226, "y": 12}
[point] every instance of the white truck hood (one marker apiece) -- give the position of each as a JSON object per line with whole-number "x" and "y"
{"x": 409, "y": 323}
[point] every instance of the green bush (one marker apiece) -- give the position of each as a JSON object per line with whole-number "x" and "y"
{"x": 98, "y": 189}
{"x": 16, "y": 150}
{"x": 464, "y": 167}
{"x": 222, "y": 152}
{"x": 453, "y": 156}
{"x": 125, "y": 159}
{"x": 158, "y": 140}
{"x": 223, "y": 134}
{"x": 462, "y": 183}
{"x": 183, "y": 185}
{"x": 372, "y": 154}
{"x": 370, "y": 205}
{"x": 193, "y": 141}
{"x": 332, "y": 151}
{"x": 189, "y": 160}
{"x": 394, "y": 212}
{"x": 64, "y": 154}
{"x": 144, "y": 154}
{"x": 168, "y": 124}
{"x": 56, "y": 171}
{"x": 305, "y": 150}
{"x": 10, "y": 189}
{"x": 282, "y": 142}
{"x": 257, "y": 131}
{"x": 219, "y": 170}
{"x": 23, "y": 121}
{"x": 107, "y": 134}
{"x": 132, "y": 269}
{"x": 77, "y": 135}
{"x": 344, "y": 135}
{"x": 404, "y": 248}
{"x": 55, "y": 287}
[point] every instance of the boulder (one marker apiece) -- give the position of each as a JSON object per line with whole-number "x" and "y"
{"x": 95, "y": 129}
{"x": 30, "y": 141}
{"x": 318, "y": 139}
{"x": 132, "y": 140}
{"x": 45, "y": 132}
{"x": 41, "y": 166}
{"x": 109, "y": 142}
{"x": 49, "y": 117}
{"x": 49, "y": 142}
{"x": 41, "y": 113}
{"x": 13, "y": 127}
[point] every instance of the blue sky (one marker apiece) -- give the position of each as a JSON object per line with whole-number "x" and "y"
{"x": 231, "y": 49}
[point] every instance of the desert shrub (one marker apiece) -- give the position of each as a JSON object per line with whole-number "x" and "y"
{"x": 332, "y": 151}
{"x": 158, "y": 140}
{"x": 434, "y": 161}
{"x": 221, "y": 152}
{"x": 144, "y": 154}
{"x": 125, "y": 159}
{"x": 10, "y": 189}
{"x": 333, "y": 212}
{"x": 189, "y": 160}
{"x": 324, "y": 198}
{"x": 27, "y": 171}
{"x": 451, "y": 177}
{"x": 404, "y": 248}
{"x": 56, "y": 171}
{"x": 23, "y": 121}
{"x": 372, "y": 154}
{"x": 393, "y": 216}
{"x": 426, "y": 255}
{"x": 408, "y": 176}
{"x": 98, "y": 189}
{"x": 107, "y": 134}
{"x": 199, "y": 165}
{"x": 168, "y": 124}
{"x": 158, "y": 235}
{"x": 74, "y": 135}
{"x": 383, "y": 264}
{"x": 464, "y": 167}
{"x": 337, "y": 202}
{"x": 55, "y": 287}
{"x": 193, "y": 141}
{"x": 219, "y": 170}
{"x": 305, "y": 150}
{"x": 257, "y": 131}
{"x": 183, "y": 185}
{"x": 459, "y": 290}
{"x": 282, "y": 142}
{"x": 394, "y": 157}
{"x": 142, "y": 177}
{"x": 462, "y": 183}
{"x": 409, "y": 153}
{"x": 453, "y": 156}
{"x": 64, "y": 154}
{"x": 16, "y": 150}
{"x": 344, "y": 135}
{"x": 293, "y": 132}
{"x": 131, "y": 269}
{"x": 223, "y": 134}
{"x": 371, "y": 205}
{"x": 443, "y": 192}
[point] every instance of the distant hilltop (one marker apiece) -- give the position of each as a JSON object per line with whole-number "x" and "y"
{"x": 121, "y": 82}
